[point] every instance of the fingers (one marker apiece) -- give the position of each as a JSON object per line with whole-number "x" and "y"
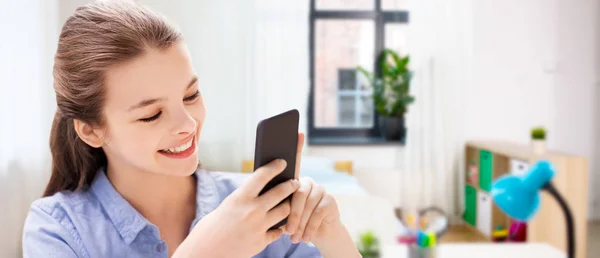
{"x": 316, "y": 219}
{"x": 277, "y": 214}
{"x": 299, "y": 155}
{"x": 298, "y": 202}
{"x": 313, "y": 199}
{"x": 278, "y": 193}
{"x": 259, "y": 179}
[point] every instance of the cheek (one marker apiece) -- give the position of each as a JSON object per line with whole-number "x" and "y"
{"x": 143, "y": 140}
{"x": 134, "y": 141}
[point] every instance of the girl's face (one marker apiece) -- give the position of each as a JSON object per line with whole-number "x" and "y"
{"x": 154, "y": 113}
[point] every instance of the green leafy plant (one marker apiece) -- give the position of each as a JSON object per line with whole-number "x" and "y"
{"x": 538, "y": 133}
{"x": 391, "y": 86}
{"x": 369, "y": 245}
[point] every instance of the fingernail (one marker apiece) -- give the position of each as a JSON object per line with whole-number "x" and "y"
{"x": 307, "y": 238}
{"x": 296, "y": 182}
{"x": 282, "y": 162}
{"x": 295, "y": 239}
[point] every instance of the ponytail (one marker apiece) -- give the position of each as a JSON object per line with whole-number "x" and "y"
{"x": 74, "y": 163}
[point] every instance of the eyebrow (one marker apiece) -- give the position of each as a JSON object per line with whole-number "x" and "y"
{"x": 148, "y": 102}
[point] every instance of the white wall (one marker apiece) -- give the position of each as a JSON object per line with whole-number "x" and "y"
{"x": 576, "y": 100}
{"x": 27, "y": 45}
{"x": 514, "y": 64}
{"x": 595, "y": 168}
{"x": 536, "y": 64}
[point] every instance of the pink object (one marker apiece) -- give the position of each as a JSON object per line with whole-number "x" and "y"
{"x": 517, "y": 232}
{"x": 473, "y": 175}
{"x": 408, "y": 239}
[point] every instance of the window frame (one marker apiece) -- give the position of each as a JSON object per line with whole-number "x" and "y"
{"x": 348, "y": 135}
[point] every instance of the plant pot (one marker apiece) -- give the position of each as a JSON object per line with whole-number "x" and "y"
{"x": 538, "y": 147}
{"x": 392, "y": 127}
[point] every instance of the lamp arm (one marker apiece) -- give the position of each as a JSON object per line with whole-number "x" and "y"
{"x": 568, "y": 217}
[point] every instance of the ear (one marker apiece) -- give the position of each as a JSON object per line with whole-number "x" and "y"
{"x": 88, "y": 134}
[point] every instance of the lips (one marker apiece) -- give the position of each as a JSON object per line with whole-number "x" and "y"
{"x": 184, "y": 150}
{"x": 179, "y": 148}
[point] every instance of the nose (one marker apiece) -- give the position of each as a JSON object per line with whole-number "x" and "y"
{"x": 184, "y": 123}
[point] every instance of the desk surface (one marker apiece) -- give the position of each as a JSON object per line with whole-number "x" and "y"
{"x": 475, "y": 250}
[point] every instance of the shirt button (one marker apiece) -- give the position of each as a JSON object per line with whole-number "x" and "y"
{"x": 159, "y": 248}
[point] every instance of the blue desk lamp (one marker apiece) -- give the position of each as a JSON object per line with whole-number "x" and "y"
{"x": 519, "y": 198}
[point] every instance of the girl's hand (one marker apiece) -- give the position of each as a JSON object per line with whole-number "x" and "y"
{"x": 243, "y": 218}
{"x": 314, "y": 213}
{"x": 315, "y": 218}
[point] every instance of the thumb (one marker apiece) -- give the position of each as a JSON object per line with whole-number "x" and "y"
{"x": 273, "y": 235}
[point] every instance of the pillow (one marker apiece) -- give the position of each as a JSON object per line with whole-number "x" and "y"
{"x": 315, "y": 163}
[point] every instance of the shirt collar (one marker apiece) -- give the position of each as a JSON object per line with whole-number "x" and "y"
{"x": 129, "y": 222}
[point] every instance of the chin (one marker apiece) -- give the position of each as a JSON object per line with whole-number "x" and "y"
{"x": 177, "y": 167}
{"x": 184, "y": 168}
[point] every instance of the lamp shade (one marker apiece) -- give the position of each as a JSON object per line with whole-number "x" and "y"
{"x": 518, "y": 196}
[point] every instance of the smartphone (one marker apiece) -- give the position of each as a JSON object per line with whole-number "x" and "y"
{"x": 277, "y": 138}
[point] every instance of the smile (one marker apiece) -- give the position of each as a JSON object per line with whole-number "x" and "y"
{"x": 182, "y": 151}
{"x": 180, "y": 148}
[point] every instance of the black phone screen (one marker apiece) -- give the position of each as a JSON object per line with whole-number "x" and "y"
{"x": 277, "y": 138}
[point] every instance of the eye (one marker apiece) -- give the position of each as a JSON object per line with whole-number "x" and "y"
{"x": 152, "y": 118}
{"x": 192, "y": 97}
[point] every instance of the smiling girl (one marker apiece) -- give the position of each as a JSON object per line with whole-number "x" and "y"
{"x": 125, "y": 177}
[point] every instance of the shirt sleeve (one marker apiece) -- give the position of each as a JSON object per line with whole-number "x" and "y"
{"x": 44, "y": 236}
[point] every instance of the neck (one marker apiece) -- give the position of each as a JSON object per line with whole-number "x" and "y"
{"x": 157, "y": 197}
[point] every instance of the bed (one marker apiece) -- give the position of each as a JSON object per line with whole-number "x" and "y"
{"x": 360, "y": 211}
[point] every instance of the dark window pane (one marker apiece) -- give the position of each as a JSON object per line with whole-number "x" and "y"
{"x": 347, "y": 79}
{"x": 345, "y": 4}
{"x": 339, "y": 45}
{"x": 388, "y": 5}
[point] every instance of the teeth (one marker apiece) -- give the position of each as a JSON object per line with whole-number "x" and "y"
{"x": 181, "y": 148}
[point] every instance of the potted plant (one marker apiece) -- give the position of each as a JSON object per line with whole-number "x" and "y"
{"x": 368, "y": 246}
{"x": 391, "y": 95}
{"x": 538, "y": 140}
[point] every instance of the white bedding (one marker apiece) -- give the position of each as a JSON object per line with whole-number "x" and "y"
{"x": 359, "y": 210}
{"x": 336, "y": 182}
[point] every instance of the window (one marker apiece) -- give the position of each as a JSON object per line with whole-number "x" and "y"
{"x": 355, "y": 104}
{"x": 343, "y": 35}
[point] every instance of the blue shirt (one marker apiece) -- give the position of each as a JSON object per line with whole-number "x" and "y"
{"x": 99, "y": 222}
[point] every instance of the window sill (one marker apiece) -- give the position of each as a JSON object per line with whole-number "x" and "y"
{"x": 362, "y": 141}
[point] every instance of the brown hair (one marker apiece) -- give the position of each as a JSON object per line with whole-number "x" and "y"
{"x": 96, "y": 37}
